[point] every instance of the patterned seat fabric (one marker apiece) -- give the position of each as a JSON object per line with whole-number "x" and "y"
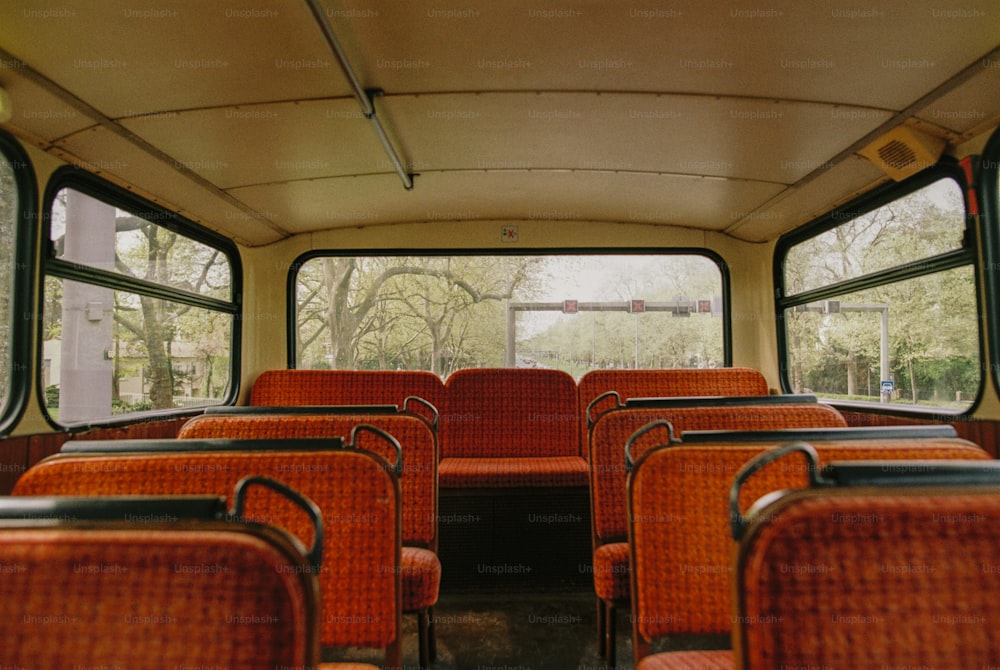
{"x": 421, "y": 568}
{"x": 512, "y": 472}
{"x": 681, "y": 547}
{"x": 345, "y": 387}
{"x": 508, "y": 427}
{"x": 607, "y": 472}
{"x": 688, "y": 660}
{"x": 358, "y": 496}
{"x": 611, "y": 580}
{"x": 167, "y": 595}
{"x": 667, "y": 383}
{"x": 892, "y": 578}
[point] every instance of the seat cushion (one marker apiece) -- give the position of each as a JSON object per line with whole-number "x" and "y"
{"x": 688, "y": 660}
{"x": 421, "y": 575}
{"x": 611, "y": 571}
{"x": 530, "y": 472}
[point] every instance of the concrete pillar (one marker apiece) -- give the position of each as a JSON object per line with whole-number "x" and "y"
{"x": 87, "y": 313}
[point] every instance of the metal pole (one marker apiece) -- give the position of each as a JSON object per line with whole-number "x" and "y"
{"x": 636, "y": 364}
{"x": 884, "y": 353}
{"x": 363, "y": 96}
{"x": 510, "y": 342}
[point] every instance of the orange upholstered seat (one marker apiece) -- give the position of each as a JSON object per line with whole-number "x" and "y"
{"x": 680, "y": 524}
{"x": 688, "y": 660}
{"x": 173, "y": 594}
{"x": 523, "y": 419}
{"x": 607, "y": 480}
{"x": 512, "y": 472}
{"x": 356, "y": 491}
{"x": 345, "y": 387}
{"x": 421, "y": 568}
{"x": 871, "y": 577}
{"x": 667, "y": 383}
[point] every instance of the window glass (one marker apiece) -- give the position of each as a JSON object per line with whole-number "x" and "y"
{"x": 135, "y": 246}
{"x": 9, "y": 207}
{"x": 922, "y": 224}
{"x": 138, "y": 316}
{"x": 906, "y": 338}
{"x": 444, "y": 313}
{"x": 919, "y": 334}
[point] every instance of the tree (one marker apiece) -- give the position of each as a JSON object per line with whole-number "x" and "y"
{"x": 602, "y": 339}
{"x": 147, "y": 328}
{"x": 417, "y": 312}
{"x": 8, "y": 234}
{"x": 930, "y": 316}
{"x": 166, "y": 258}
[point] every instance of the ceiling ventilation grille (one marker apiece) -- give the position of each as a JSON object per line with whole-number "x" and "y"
{"x": 904, "y": 151}
{"x": 897, "y": 155}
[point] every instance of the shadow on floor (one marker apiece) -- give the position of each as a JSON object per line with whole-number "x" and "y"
{"x": 538, "y": 630}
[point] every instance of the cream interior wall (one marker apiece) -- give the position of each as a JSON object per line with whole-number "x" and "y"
{"x": 266, "y": 273}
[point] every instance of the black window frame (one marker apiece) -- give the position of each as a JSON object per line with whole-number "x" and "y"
{"x": 967, "y": 254}
{"x": 988, "y": 169}
{"x": 291, "y": 321}
{"x": 89, "y": 184}
{"x": 23, "y": 283}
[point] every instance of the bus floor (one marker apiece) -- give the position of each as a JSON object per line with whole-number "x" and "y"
{"x": 540, "y": 629}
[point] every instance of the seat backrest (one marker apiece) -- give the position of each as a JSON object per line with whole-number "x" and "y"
{"x": 613, "y": 429}
{"x": 418, "y": 480}
{"x": 896, "y": 577}
{"x": 355, "y": 490}
{"x": 510, "y": 413}
{"x": 680, "y": 523}
{"x": 345, "y": 387}
{"x": 665, "y": 383}
{"x": 176, "y": 595}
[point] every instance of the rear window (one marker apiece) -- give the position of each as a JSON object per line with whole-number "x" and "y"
{"x": 571, "y": 312}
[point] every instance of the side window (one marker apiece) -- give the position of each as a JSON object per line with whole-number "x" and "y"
{"x": 573, "y": 312}
{"x": 18, "y": 223}
{"x": 140, "y": 308}
{"x": 878, "y": 301}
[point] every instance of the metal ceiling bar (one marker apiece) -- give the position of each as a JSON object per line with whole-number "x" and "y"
{"x": 364, "y": 97}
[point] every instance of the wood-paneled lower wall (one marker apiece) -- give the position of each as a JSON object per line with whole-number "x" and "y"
{"x": 982, "y": 432}
{"x": 17, "y": 454}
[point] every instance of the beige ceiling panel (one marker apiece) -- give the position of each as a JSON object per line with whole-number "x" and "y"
{"x": 803, "y": 204}
{"x": 132, "y": 58}
{"x": 240, "y": 146}
{"x": 971, "y": 106}
{"x": 825, "y": 51}
{"x": 509, "y": 195}
{"x": 37, "y": 113}
{"x": 753, "y": 139}
{"x": 120, "y": 161}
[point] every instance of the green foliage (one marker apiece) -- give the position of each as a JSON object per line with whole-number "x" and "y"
{"x": 446, "y": 313}
{"x": 933, "y": 341}
{"x": 52, "y": 396}
{"x": 8, "y": 235}
{"x": 417, "y": 313}
{"x": 159, "y": 348}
